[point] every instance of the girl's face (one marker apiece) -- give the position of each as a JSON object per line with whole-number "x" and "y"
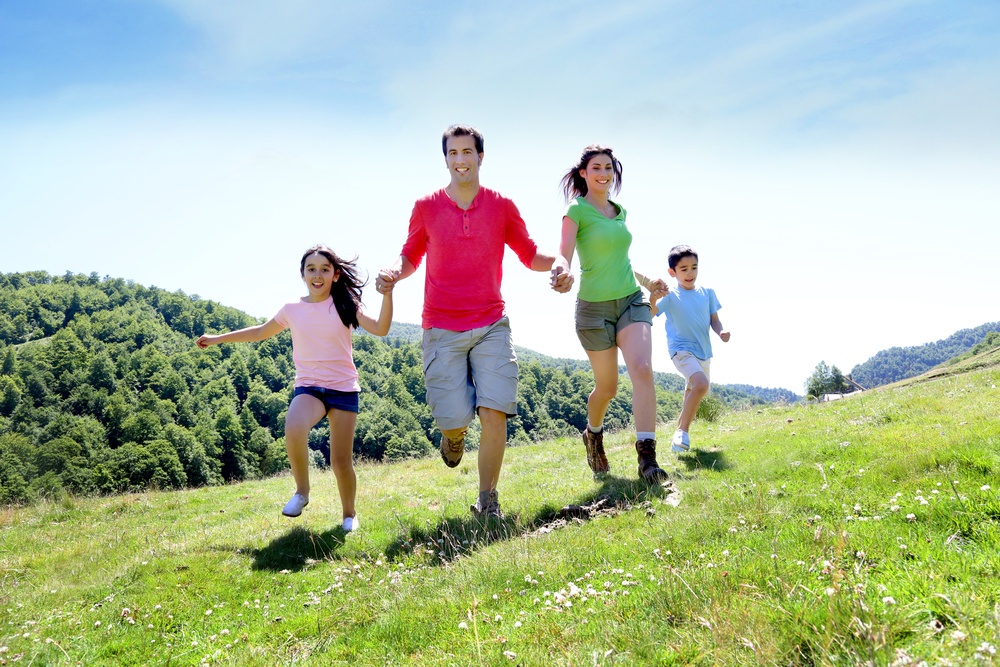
{"x": 319, "y": 275}
{"x": 599, "y": 173}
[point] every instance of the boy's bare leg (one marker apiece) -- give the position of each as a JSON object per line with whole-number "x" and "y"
{"x": 492, "y": 442}
{"x": 636, "y": 343}
{"x": 697, "y": 389}
{"x": 605, "y": 366}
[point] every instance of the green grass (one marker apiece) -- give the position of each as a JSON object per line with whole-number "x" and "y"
{"x": 863, "y": 531}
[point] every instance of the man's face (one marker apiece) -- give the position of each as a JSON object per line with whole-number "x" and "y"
{"x": 462, "y": 159}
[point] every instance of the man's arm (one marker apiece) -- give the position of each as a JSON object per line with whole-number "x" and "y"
{"x": 387, "y": 278}
{"x": 562, "y": 279}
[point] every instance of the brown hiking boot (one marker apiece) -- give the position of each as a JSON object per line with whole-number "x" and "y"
{"x": 594, "y": 442}
{"x": 487, "y": 505}
{"x": 649, "y": 469}
{"x": 452, "y": 450}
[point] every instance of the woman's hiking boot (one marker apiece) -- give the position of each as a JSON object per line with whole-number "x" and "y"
{"x": 487, "y": 505}
{"x": 649, "y": 469}
{"x": 452, "y": 450}
{"x": 594, "y": 442}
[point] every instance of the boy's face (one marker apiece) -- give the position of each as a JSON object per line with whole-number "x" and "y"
{"x": 686, "y": 272}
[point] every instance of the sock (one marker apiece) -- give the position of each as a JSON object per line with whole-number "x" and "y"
{"x": 484, "y": 499}
{"x": 595, "y": 429}
{"x": 645, "y": 435}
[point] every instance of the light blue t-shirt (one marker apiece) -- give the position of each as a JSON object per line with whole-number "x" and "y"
{"x": 689, "y": 320}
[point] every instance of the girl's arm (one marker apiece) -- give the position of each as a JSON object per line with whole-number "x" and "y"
{"x": 248, "y": 335}
{"x": 379, "y": 327}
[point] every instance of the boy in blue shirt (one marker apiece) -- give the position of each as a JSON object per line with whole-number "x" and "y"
{"x": 690, "y": 312}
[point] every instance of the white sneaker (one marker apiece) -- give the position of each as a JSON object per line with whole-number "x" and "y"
{"x": 351, "y": 523}
{"x": 294, "y": 506}
{"x": 681, "y": 441}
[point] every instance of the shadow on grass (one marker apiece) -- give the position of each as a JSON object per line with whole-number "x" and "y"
{"x": 454, "y": 537}
{"x": 714, "y": 459}
{"x": 297, "y": 549}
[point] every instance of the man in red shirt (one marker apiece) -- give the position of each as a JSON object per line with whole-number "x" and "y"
{"x": 469, "y": 361}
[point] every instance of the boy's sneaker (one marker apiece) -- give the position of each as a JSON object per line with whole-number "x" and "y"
{"x": 452, "y": 450}
{"x": 487, "y": 505}
{"x": 649, "y": 469}
{"x": 681, "y": 442}
{"x": 351, "y": 523}
{"x": 294, "y": 506}
{"x": 594, "y": 442}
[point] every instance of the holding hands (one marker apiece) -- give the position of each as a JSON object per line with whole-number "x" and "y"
{"x": 386, "y": 280}
{"x": 657, "y": 289}
{"x": 560, "y": 278}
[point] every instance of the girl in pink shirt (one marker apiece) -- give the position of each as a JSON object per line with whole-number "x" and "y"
{"x": 326, "y": 380}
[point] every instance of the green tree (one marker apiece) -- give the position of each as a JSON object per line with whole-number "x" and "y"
{"x": 825, "y": 380}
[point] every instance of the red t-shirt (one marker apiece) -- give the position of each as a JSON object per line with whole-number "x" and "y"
{"x": 464, "y": 251}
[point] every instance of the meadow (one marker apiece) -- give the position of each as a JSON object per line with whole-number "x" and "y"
{"x": 864, "y": 531}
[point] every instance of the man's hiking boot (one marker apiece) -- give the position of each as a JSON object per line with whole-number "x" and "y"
{"x": 649, "y": 469}
{"x": 487, "y": 505}
{"x": 594, "y": 442}
{"x": 452, "y": 450}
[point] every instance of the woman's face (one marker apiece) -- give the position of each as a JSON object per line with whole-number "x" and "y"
{"x": 599, "y": 173}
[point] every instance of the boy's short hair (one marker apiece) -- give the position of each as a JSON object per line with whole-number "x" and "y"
{"x": 679, "y": 252}
{"x": 461, "y": 131}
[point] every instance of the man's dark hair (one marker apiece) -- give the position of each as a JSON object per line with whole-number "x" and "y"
{"x": 461, "y": 131}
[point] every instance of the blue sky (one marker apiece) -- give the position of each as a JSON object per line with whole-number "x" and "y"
{"x": 836, "y": 164}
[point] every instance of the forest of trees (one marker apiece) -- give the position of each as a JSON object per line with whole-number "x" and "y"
{"x": 899, "y": 363}
{"x": 102, "y": 390}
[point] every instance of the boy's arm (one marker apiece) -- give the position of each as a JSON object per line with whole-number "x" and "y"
{"x": 248, "y": 335}
{"x": 379, "y": 327}
{"x": 718, "y": 328}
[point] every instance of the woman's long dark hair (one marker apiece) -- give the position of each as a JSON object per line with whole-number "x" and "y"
{"x": 574, "y": 185}
{"x": 346, "y": 290}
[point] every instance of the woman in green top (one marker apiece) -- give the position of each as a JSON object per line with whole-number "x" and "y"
{"x": 611, "y": 312}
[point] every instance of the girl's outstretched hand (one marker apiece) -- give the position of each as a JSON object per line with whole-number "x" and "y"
{"x": 205, "y": 340}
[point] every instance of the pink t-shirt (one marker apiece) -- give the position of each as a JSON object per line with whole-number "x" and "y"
{"x": 464, "y": 251}
{"x": 321, "y": 345}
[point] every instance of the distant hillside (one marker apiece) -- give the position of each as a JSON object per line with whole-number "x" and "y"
{"x": 899, "y": 363}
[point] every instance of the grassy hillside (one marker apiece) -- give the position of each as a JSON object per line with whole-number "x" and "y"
{"x": 898, "y": 363}
{"x": 865, "y": 531}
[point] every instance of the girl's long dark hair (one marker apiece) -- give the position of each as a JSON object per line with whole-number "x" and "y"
{"x": 346, "y": 291}
{"x": 574, "y": 185}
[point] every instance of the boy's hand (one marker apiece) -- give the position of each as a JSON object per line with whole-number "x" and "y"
{"x": 724, "y": 335}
